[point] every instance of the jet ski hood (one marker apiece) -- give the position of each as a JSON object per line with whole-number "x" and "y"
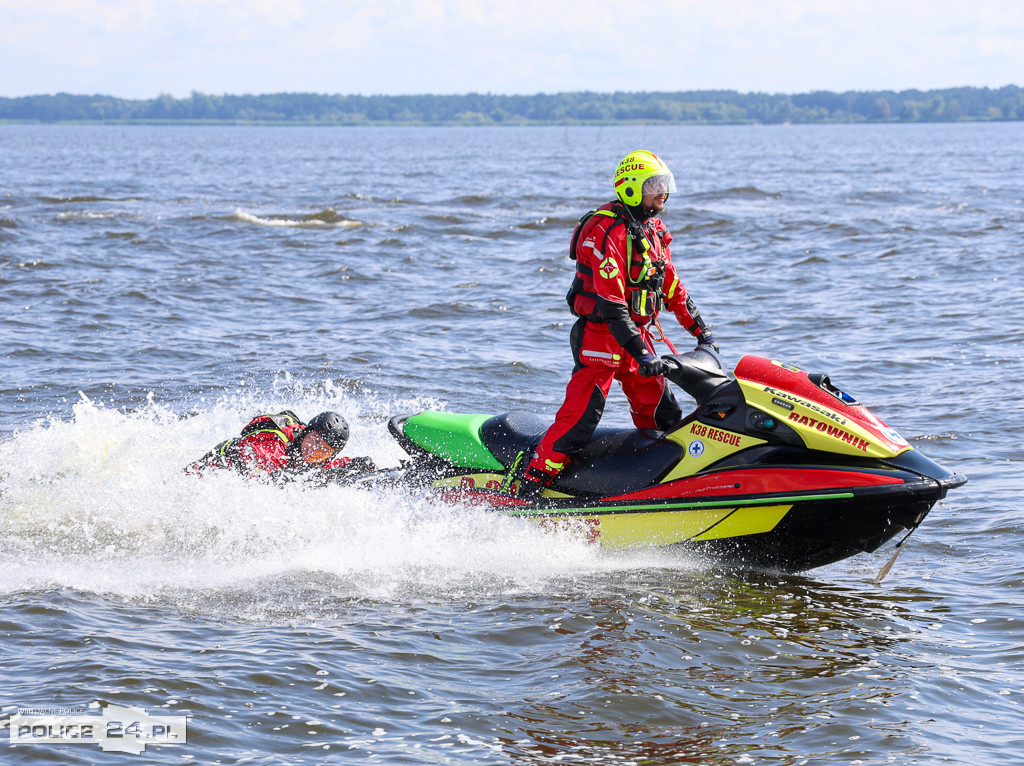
{"x": 825, "y": 417}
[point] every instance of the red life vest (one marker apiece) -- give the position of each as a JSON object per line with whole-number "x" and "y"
{"x": 262, "y": 446}
{"x": 645, "y": 256}
{"x": 266, "y": 445}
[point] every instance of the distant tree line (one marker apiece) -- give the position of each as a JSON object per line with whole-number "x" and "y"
{"x": 684, "y": 107}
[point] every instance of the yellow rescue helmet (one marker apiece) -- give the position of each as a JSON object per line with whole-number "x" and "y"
{"x": 642, "y": 172}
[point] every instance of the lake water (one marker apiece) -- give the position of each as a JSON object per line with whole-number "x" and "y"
{"x": 161, "y": 285}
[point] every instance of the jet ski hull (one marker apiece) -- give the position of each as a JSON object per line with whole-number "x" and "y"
{"x": 773, "y": 515}
{"x": 787, "y": 533}
{"x": 775, "y": 469}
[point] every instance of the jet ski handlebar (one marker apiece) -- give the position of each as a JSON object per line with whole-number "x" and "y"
{"x": 697, "y": 372}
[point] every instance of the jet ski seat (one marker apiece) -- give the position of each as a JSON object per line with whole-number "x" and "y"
{"x": 508, "y": 434}
{"x": 617, "y": 460}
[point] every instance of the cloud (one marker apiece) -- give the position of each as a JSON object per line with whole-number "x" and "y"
{"x": 139, "y": 48}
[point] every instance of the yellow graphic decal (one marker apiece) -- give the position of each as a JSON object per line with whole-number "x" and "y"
{"x": 609, "y": 268}
{"x": 632, "y": 530}
{"x": 615, "y": 531}
{"x": 747, "y": 521}
{"x": 820, "y": 427}
{"x": 705, "y": 445}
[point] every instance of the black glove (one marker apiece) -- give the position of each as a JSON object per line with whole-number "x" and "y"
{"x": 650, "y": 366}
{"x": 359, "y": 464}
{"x": 355, "y": 468}
{"x": 707, "y": 340}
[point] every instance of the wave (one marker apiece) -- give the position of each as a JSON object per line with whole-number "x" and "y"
{"x": 84, "y": 214}
{"x": 313, "y": 220}
{"x": 85, "y": 198}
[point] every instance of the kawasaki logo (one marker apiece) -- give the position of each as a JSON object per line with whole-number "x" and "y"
{"x": 803, "y": 402}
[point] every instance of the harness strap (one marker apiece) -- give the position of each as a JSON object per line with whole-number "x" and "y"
{"x": 278, "y": 421}
{"x": 578, "y": 231}
{"x": 646, "y": 298}
{"x": 267, "y": 424}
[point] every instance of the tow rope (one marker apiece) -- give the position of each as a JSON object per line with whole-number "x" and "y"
{"x": 899, "y": 549}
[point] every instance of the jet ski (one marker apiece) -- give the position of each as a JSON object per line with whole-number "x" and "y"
{"x": 776, "y": 468}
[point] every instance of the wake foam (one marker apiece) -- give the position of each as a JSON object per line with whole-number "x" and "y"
{"x": 325, "y": 218}
{"x": 100, "y": 503}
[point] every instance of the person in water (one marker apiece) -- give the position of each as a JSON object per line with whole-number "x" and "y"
{"x": 281, "y": 445}
{"x": 624, "y": 277}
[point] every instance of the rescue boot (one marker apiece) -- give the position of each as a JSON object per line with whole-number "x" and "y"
{"x": 532, "y": 485}
{"x": 523, "y": 480}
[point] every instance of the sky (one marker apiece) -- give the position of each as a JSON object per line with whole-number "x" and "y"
{"x": 144, "y": 48}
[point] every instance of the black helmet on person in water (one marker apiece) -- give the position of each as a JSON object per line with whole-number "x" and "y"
{"x": 332, "y": 427}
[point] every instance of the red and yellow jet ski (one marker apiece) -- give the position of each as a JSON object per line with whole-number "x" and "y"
{"x": 775, "y": 468}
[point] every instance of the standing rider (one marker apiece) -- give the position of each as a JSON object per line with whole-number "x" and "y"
{"x": 624, "y": 276}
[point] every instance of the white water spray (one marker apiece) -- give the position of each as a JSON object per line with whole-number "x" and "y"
{"x": 100, "y": 503}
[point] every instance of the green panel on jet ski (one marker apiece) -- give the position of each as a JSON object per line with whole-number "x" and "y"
{"x": 453, "y": 436}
